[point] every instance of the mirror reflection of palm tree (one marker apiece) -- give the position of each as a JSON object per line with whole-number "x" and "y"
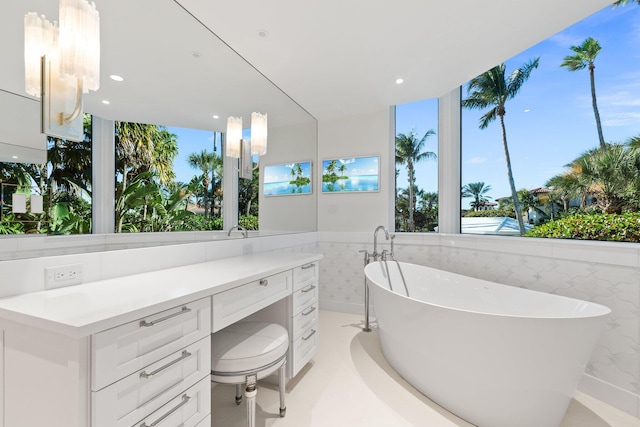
{"x": 205, "y": 161}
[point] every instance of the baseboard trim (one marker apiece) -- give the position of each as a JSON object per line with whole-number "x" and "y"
{"x": 610, "y": 394}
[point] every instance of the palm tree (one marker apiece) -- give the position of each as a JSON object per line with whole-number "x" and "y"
{"x": 493, "y": 89}
{"x": 624, "y": 2}
{"x": 610, "y": 177}
{"x": 134, "y": 148}
{"x": 409, "y": 152}
{"x": 585, "y": 56}
{"x": 477, "y": 190}
{"x": 634, "y": 143}
{"x": 204, "y": 160}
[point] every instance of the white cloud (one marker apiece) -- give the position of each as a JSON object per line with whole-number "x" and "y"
{"x": 622, "y": 119}
{"x": 477, "y": 160}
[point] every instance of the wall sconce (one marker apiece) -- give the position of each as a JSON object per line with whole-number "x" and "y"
{"x": 61, "y": 63}
{"x": 244, "y": 149}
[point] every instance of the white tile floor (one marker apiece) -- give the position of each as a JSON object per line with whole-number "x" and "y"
{"x": 350, "y": 384}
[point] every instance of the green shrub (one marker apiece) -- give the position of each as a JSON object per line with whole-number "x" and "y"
{"x": 613, "y": 227}
{"x": 250, "y": 222}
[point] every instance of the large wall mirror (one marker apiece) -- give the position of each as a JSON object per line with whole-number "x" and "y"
{"x": 177, "y": 73}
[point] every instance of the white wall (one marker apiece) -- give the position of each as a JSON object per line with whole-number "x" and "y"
{"x": 355, "y": 136}
{"x": 296, "y": 212}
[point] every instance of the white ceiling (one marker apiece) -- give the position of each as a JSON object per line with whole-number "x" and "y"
{"x": 333, "y": 57}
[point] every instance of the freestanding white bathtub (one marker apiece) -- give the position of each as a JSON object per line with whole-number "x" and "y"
{"x": 495, "y": 355}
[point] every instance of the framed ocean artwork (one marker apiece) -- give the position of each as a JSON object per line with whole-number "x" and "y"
{"x": 351, "y": 174}
{"x": 287, "y": 179}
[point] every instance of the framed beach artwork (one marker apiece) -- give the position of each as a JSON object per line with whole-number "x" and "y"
{"x": 351, "y": 174}
{"x": 287, "y": 179}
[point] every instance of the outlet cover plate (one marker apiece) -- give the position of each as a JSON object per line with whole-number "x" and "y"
{"x": 62, "y": 275}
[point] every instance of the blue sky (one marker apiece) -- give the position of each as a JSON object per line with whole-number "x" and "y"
{"x": 551, "y": 121}
{"x": 192, "y": 141}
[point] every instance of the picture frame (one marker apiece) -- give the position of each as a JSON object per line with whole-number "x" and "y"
{"x": 351, "y": 175}
{"x": 288, "y": 179}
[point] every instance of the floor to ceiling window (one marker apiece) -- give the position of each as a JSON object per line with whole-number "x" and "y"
{"x": 50, "y": 198}
{"x": 550, "y": 138}
{"x": 416, "y": 166}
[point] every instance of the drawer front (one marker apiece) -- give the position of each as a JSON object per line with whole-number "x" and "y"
{"x": 304, "y": 348}
{"x": 128, "y": 348}
{"x": 303, "y": 320}
{"x": 304, "y": 275}
{"x": 239, "y": 302}
{"x": 134, "y": 397}
{"x": 206, "y": 422}
{"x": 188, "y": 409}
{"x": 304, "y": 297}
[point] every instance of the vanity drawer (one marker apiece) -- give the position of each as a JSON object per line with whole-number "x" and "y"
{"x": 303, "y": 320}
{"x": 128, "y": 348}
{"x": 304, "y": 348}
{"x": 134, "y": 397}
{"x": 304, "y": 275}
{"x": 237, "y": 303}
{"x": 188, "y": 409}
{"x": 304, "y": 297}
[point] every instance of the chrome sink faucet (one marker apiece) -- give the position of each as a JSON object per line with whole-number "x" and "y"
{"x": 240, "y": 228}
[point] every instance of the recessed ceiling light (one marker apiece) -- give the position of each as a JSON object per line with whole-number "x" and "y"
{"x": 215, "y": 116}
{"x": 14, "y": 157}
{"x": 196, "y": 54}
{"x": 116, "y": 77}
{"x": 104, "y": 101}
{"x": 263, "y": 33}
{"x": 399, "y": 81}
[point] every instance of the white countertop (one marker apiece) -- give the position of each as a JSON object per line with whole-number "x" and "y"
{"x": 81, "y": 310}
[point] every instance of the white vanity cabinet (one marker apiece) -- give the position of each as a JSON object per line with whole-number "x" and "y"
{"x": 118, "y": 377}
{"x": 303, "y": 318}
{"x": 140, "y": 368}
{"x": 135, "y": 351}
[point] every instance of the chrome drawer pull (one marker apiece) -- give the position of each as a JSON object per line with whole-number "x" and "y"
{"x": 308, "y": 312}
{"x": 313, "y": 331}
{"x": 144, "y": 374}
{"x": 264, "y": 282}
{"x": 144, "y": 323}
{"x": 309, "y": 288}
{"x": 185, "y": 400}
{"x": 308, "y": 266}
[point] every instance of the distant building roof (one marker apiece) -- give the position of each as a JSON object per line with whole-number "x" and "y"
{"x": 500, "y": 225}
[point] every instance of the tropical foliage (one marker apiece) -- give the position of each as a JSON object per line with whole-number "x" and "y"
{"x": 584, "y": 57}
{"x": 597, "y": 226}
{"x": 409, "y": 151}
{"x": 493, "y": 89}
{"x": 148, "y": 198}
{"x": 478, "y": 191}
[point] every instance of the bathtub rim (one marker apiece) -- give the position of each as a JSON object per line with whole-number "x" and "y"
{"x": 601, "y": 309}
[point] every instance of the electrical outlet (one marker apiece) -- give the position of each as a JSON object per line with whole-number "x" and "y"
{"x": 63, "y": 275}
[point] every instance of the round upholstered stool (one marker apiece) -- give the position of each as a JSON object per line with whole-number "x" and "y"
{"x": 245, "y": 352}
